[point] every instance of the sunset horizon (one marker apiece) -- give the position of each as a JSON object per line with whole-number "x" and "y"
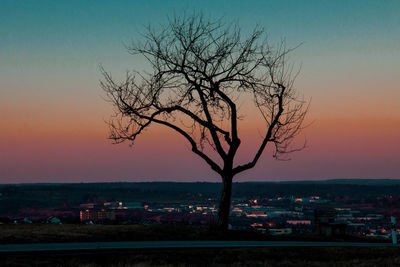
{"x": 53, "y": 113}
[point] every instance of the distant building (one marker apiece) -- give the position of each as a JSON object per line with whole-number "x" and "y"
{"x": 326, "y": 225}
{"x": 53, "y": 220}
{"x": 22, "y": 221}
{"x": 281, "y": 231}
{"x": 296, "y": 222}
{"x": 96, "y": 215}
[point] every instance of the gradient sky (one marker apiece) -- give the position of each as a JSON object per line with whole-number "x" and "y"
{"x": 52, "y": 114}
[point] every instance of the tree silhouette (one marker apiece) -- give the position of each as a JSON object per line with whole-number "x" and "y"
{"x": 201, "y": 69}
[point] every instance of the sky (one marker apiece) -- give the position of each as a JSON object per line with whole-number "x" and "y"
{"x": 52, "y": 110}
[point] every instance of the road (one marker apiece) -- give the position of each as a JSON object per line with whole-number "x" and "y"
{"x": 175, "y": 244}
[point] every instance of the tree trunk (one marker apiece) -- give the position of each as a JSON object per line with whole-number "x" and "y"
{"x": 225, "y": 202}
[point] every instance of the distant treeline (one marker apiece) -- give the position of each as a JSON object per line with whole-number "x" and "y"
{"x": 161, "y": 191}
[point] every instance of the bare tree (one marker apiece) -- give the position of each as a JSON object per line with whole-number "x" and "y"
{"x": 200, "y": 70}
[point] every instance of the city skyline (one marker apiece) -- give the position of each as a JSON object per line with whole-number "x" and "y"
{"x": 52, "y": 125}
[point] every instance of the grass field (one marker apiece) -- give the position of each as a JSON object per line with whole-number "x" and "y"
{"x": 50, "y": 233}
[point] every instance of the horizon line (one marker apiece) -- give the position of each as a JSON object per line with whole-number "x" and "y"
{"x": 199, "y": 181}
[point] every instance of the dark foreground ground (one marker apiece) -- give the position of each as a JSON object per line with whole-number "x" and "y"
{"x": 282, "y": 256}
{"x": 212, "y": 257}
